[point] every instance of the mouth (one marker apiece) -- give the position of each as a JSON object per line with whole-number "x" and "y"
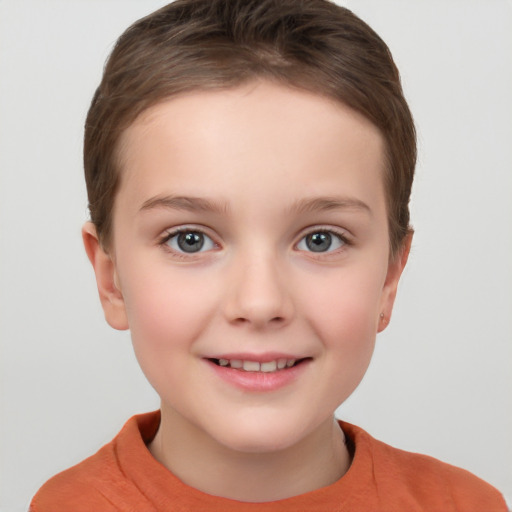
{"x": 272, "y": 366}
{"x": 259, "y": 374}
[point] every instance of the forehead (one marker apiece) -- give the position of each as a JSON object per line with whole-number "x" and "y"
{"x": 242, "y": 140}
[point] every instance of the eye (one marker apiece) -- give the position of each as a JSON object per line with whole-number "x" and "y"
{"x": 321, "y": 241}
{"x": 189, "y": 241}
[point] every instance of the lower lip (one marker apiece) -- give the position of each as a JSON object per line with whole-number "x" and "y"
{"x": 259, "y": 381}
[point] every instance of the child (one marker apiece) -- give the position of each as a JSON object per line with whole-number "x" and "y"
{"x": 249, "y": 167}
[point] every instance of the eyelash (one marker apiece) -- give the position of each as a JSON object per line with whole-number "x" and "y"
{"x": 340, "y": 235}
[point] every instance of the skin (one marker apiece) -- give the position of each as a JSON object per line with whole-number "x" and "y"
{"x": 274, "y": 165}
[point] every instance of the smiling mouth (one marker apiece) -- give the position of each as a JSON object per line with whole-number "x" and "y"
{"x": 255, "y": 366}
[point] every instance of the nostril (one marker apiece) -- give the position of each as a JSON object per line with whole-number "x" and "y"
{"x": 276, "y": 320}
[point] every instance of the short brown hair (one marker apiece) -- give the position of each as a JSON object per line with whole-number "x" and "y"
{"x": 206, "y": 44}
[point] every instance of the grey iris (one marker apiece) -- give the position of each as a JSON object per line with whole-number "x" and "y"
{"x": 318, "y": 242}
{"x": 190, "y": 241}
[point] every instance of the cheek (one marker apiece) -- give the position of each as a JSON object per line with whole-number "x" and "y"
{"x": 344, "y": 308}
{"x": 167, "y": 309}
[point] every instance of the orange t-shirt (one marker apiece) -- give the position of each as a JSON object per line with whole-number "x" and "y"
{"x": 124, "y": 476}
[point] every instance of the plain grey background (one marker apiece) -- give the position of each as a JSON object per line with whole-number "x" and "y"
{"x": 440, "y": 382}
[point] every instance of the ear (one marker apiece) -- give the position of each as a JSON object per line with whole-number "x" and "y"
{"x": 106, "y": 278}
{"x": 395, "y": 268}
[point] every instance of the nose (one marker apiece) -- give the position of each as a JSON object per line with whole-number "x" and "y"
{"x": 259, "y": 293}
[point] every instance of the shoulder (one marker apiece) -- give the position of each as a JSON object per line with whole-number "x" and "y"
{"x": 423, "y": 482}
{"x": 77, "y": 488}
{"x": 98, "y": 483}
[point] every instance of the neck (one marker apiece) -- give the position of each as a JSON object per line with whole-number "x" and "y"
{"x": 316, "y": 461}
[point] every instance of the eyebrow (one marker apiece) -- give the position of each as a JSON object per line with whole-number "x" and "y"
{"x": 319, "y": 204}
{"x": 199, "y": 204}
{"x": 190, "y": 204}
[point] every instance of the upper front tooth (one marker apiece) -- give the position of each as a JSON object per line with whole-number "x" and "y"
{"x": 237, "y": 363}
{"x": 271, "y": 366}
{"x": 251, "y": 366}
{"x": 281, "y": 363}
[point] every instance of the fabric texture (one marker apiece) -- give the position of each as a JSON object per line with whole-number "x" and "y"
{"x": 124, "y": 476}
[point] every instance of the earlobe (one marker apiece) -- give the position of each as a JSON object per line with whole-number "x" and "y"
{"x": 395, "y": 269}
{"x": 107, "y": 280}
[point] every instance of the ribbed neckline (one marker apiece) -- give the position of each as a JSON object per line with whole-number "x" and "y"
{"x": 159, "y": 485}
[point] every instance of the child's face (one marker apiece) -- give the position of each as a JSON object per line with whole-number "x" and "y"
{"x": 250, "y": 225}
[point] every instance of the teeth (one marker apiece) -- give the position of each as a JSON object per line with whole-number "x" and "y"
{"x": 281, "y": 363}
{"x": 251, "y": 366}
{"x": 255, "y": 366}
{"x": 271, "y": 366}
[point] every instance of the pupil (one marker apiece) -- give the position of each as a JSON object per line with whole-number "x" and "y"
{"x": 190, "y": 242}
{"x": 318, "y": 242}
